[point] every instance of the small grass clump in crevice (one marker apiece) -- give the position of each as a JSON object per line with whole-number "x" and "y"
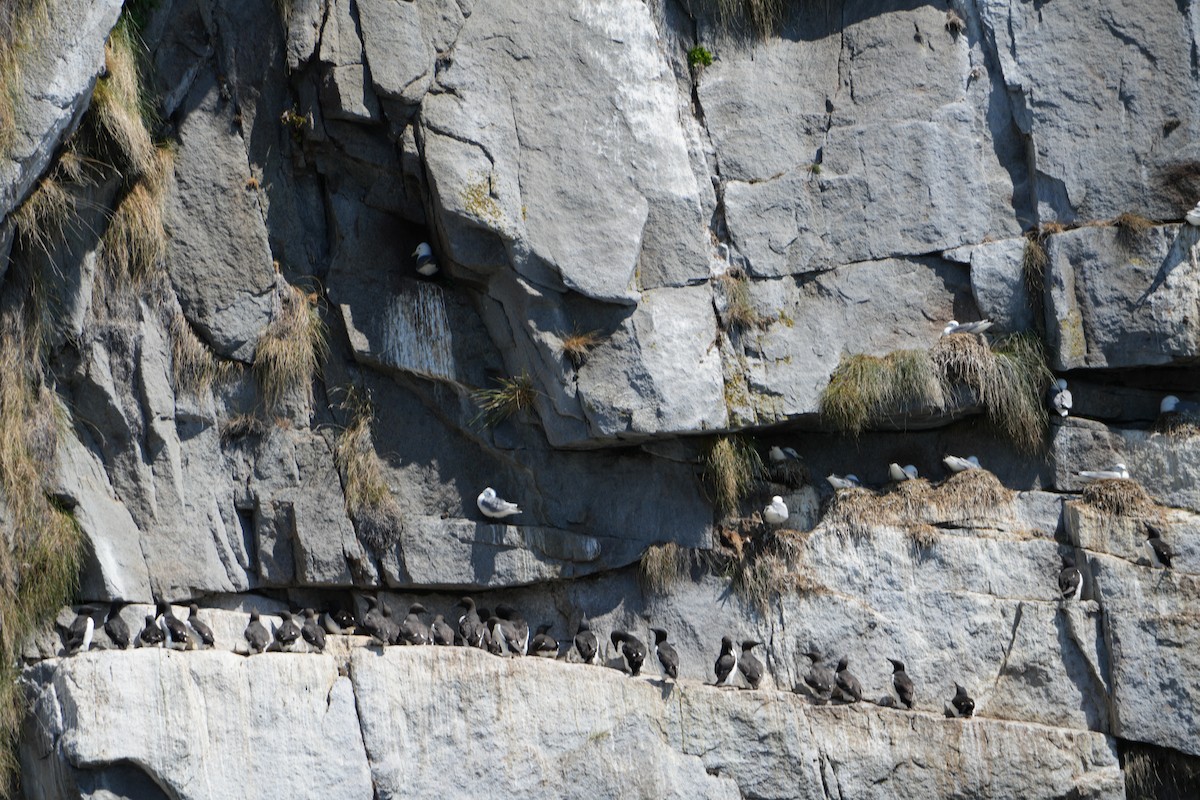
{"x": 955, "y": 24}
{"x": 194, "y": 365}
{"x": 510, "y": 397}
{"x": 699, "y": 57}
{"x": 1131, "y": 230}
{"x": 577, "y": 345}
{"x": 661, "y": 567}
{"x": 761, "y": 18}
{"x": 1120, "y": 497}
{"x": 369, "y": 501}
{"x": 44, "y": 215}
{"x": 866, "y": 390}
{"x": 1034, "y": 261}
{"x": 770, "y": 568}
{"x": 1153, "y": 772}
{"x": 121, "y": 109}
{"x": 739, "y": 306}
{"x": 732, "y": 466}
{"x": 135, "y": 242}
{"x": 241, "y": 427}
{"x": 291, "y": 348}
{"x": 973, "y": 493}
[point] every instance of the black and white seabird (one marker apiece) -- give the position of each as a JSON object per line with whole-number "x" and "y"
{"x": 485, "y": 639}
{"x": 494, "y": 507}
{"x": 820, "y": 679}
{"x": 203, "y": 632}
{"x": 519, "y": 626}
{"x": 586, "y": 643}
{"x": 426, "y": 264}
{"x": 256, "y": 634}
{"x": 1060, "y": 400}
{"x": 470, "y": 626}
{"x": 338, "y": 622}
{"x": 543, "y": 644}
{"x": 954, "y": 326}
{"x": 779, "y": 455}
{"x": 375, "y": 624}
{"x": 151, "y": 635}
{"x": 413, "y": 629}
{"x": 632, "y": 648}
{"x": 1159, "y": 551}
{"x": 312, "y": 632}
{"x": 115, "y": 627}
{"x": 900, "y": 474}
{"x": 667, "y": 657}
{"x": 441, "y": 633}
{"x": 501, "y": 637}
{"x": 904, "y": 685}
{"x": 848, "y": 686}
{"x": 79, "y": 634}
{"x": 288, "y": 632}
{"x": 176, "y": 631}
{"x": 1173, "y": 405}
{"x": 726, "y": 663}
{"x": 1070, "y": 580}
{"x": 751, "y": 668}
{"x": 961, "y": 705}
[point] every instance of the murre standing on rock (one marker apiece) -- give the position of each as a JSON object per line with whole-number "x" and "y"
{"x": 1160, "y": 552}
{"x": 1115, "y": 472}
{"x": 848, "y": 686}
{"x": 956, "y": 464}
{"x": 519, "y": 626}
{"x": 1070, "y": 580}
{"x": 961, "y": 705}
{"x": 776, "y": 513}
{"x": 543, "y": 644}
{"x": 503, "y": 637}
{"x": 470, "y": 626}
{"x": 256, "y": 634}
{"x": 79, "y": 634}
{"x": 312, "y": 632}
{"x": 631, "y": 648}
{"x": 750, "y": 667}
{"x": 413, "y": 629}
{"x": 115, "y": 627}
{"x": 726, "y": 664}
{"x": 173, "y": 627}
{"x": 840, "y": 482}
{"x": 494, "y": 507}
{"x": 667, "y": 657}
{"x": 151, "y": 635}
{"x": 1060, "y": 398}
{"x": 441, "y": 633}
{"x": 338, "y": 622}
{"x": 426, "y": 264}
{"x": 202, "y": 630}
{"x": 373, "y": 622}
{"x": 586, "y": 643}
{"x": 820, "y": 679}
{"x": 288, "y": 632}
{"x": 900, "y": 474}
{"x": 903, "y": 683}
{"x": 954, "y": 326}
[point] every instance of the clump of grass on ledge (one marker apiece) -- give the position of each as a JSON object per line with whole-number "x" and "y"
{"x": 866, "y": 390}
{"x": 1120, "y": 497}
{"x": 511, "y": 396}
{"x": 731, "y": 468}
{"x": 135, "y": 242}
{"x": 576, "y": 346}
{"x": 699, "y": 57}
{"x": 661, "y": 567}
{"x": 762, "y": 17}
{"x": 1158, "y": 772}
{"x": 121, "y": 109}
{"x": 44, "y": 214}
{"x": 195, "y": 367}
{"x": 291, "y": 349}
{"x": 1131, "y": 229}
{"x": 739, "y": 307}
{"x": 1034, "y": 261}
{"x": 771, "y": 568}
{"x": 240, "y": 427}
{"x": 857, "y": 512}
{"x": 369, "y": 501}
{"x": 972, "y": 493}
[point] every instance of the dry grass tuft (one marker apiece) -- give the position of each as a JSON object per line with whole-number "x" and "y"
{"x": 18, "y": 18}
{"x": 762, "y": 18}
{"x": 907, "y": 500}
{"x": 772, "y": 568}
{"x": 121, "y": 110}
{"x": 1121, "y": 497}
{"x": 731, "y": 468}
{"x": 1034, "y": 262}
{"x": 194, "y": 365}
{"x": 240, "y": 427}
{"x": 44, "y": 215}
{"x": 661, "y": 567}
{"x": 972, "y": 493}
{"x": 866, "y": 390}
{"x": 1180, "y": 184}
{"x": 135, "y": 242}
{"x": 510, "y": 397}
{"x": 791, "y": 473}
{"x": 1152, "y": 773}
{"x": 954, "y": 23}
{"x": 1181, "y": 425}
{"x": 1131, "y": 230}
{"x": 291, "y": 349}
{"x": 739, "y": 307}
{"x": 369, "y": 501}
{"x": 576, "y": 346}
{"x": 857, "y": 512}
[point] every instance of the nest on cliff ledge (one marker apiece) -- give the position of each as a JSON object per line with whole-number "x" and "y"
{"x": 1121, "y": 497}
{"x": 972, "y": 493}
{"x": 857, "y": 512}
{"x": 771, "y": 566}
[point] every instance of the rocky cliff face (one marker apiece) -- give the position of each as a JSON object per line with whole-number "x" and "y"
{"x": 253, "y": 401}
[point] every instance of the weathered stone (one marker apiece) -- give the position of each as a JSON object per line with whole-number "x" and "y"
{"x": 305, "y": 31}
{"x": 998, "y": 283}
{"x": 397, "y": 48}
{"x": 1122, "y": 300}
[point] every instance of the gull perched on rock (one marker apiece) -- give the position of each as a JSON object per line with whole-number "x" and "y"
{"x": 847, "y": 482}
{"x": 779, "y": 454}
{"x": 1173, "y": 405}
{"x": 900, "y": 474}
{"x": 956, "y": 464}
{"x": 493, "y": 506}
{"x": 426, "y": 265}
{"x": 1114, "y": 472}
{"x": 777, "y": 512}
{"x": 954, "y": 326}
{"x": 1193, "y": 216}
{"x": 1060, "y": 398}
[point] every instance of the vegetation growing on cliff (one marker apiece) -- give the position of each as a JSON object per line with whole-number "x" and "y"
{"x": 661, "y": 567}
{"x": 291, "y": 349}
{"x": 369, "y": 500}
{"x": 509, "y": 397}
{"x": 731, "y": 468}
